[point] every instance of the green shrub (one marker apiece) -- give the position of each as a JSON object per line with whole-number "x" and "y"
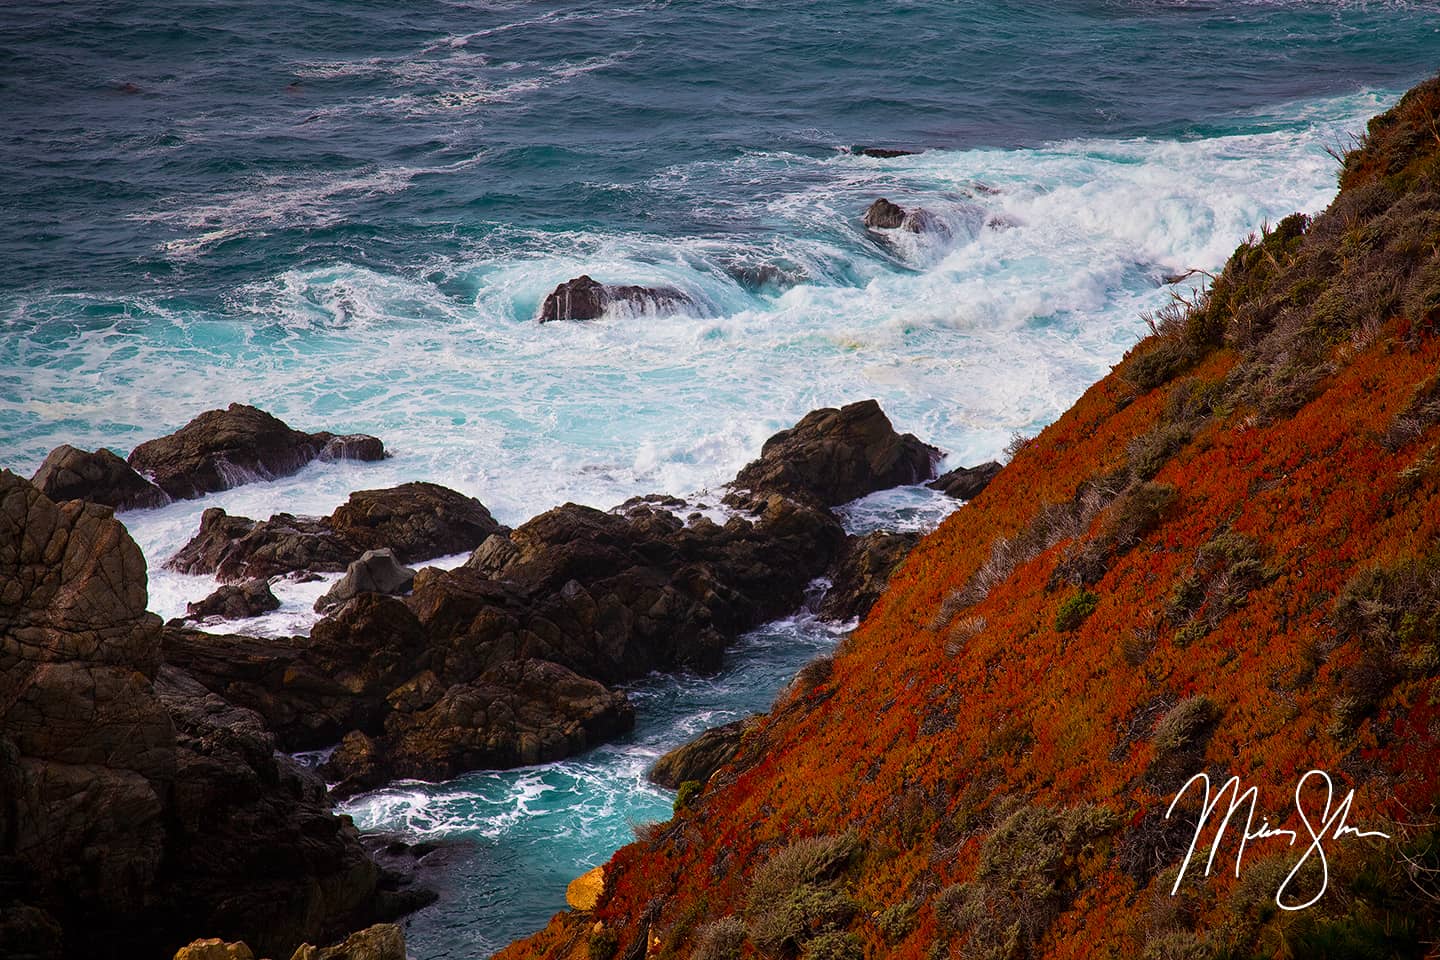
{"x": 796, "y": 895}
{"x": 686, "y": 795}
{"x": 896, "y": 922}
{"x": 1075, "y": 610}
{"x": 834, "y": 946}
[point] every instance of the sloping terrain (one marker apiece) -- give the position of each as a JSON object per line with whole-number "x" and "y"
{"x": 1223, "y": 558}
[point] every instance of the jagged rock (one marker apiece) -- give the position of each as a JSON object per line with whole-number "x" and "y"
{"x": 414, "y": 520}
{"x": 383, "y": 941}
{"x": 699, "y": 758}
{"x": 492, "y": 557}
{"x": 100, "y": 477}
{"x": 864, "y": 569}
{"x": 137, "y": 809}
{"x": 235, "y": 602}
{"x": 965, "y": 483}
{"x": 833, "y": 456}
{"x": 220, "y": 449}
{"x": 518, "y": 713}
{"x": 884, "y": 215}
{"x": 586, "y": 299}
{"x": 311, "y": 691}
{"x": 377, "y": 571}
{"x": 214, "y": 949}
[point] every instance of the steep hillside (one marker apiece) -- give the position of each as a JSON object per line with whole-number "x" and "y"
{"x": 1223, "y": 558}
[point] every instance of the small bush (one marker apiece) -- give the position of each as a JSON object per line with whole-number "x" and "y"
{"x": 795, "y": 895}
{"x": 1027, "y": 876}
{"x": 897, "y": 922}
{"x": 720, "y": 940}
{"x": 602, "y": 945}
{"x": 1180, "y": 740}
{"x": 1075, "y": 610}
{"x": 834, "y": 946}
{"x": 686, "y": 795}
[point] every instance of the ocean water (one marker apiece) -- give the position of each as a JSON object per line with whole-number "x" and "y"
{"x": 348, "y": 213}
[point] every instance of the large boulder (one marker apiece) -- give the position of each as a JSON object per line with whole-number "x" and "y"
{"x": 965, "y": 483}
{"x": 377, "y": 571}
{"x": 415, "y": 521}
{"x": 518, "y": 713}
{"x": 137, "y": 809}
{"x": 834, "y": 456}
{"x": 220, "y": 449}
{"x": 99, "y": 476}
{"x": 701, "y": 757}
{"x": 863, "y": 571}
{"x": 235, "y": 601}
{"x": 587, "y": 299}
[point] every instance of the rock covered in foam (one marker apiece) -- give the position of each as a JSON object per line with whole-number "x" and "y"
{"x": 585, "y": 298}
{"x": 220, "y": 449}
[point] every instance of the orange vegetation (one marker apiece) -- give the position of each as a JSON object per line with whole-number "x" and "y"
{"x": 1250, "y": 502}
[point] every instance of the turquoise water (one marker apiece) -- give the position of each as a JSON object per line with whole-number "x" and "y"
{"x": 348, "y": 213}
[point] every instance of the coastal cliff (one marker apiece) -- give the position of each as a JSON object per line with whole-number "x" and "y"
{"x": 1222, "y": 559}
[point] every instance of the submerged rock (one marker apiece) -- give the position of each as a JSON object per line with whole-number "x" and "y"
{"x": 833, "y": 456}
{"x": 377, "y": 571}
{"x": 587, "y": 299}
{"x": 882, "y": 153}
{"x": 235, "y": 602}
{"x": 100, "y": 477}
{"x": 416, "y": 521}
{"x": 965, "y": 483}
{"x": 220, "y": 449}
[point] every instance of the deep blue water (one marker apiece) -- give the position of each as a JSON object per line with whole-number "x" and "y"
{"x": 348, "y": 213}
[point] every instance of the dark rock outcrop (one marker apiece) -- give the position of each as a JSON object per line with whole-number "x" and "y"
{"x": 414, "y": 520}
{"x": 864, "y": 568}
{"x": 501, "y": 661}
{"x": 587, "y": 299}
{"x": 220, "y": 449}
{"x": 100, "y": 477}
{"x": 884, "y": 215}
{"x": 235, "y": 601}
{"x": 965, "y": 483}
{"x": 138, "y": 809}
{"x": 882, "y": 153}
{"x": 699, "y": 758}
{"x": 517, "y": 713}
{"x": 377, "y": 571}
{"x": 833, "y": 456}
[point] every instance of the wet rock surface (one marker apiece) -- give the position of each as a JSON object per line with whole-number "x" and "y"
{"x": 220, "y": 449}
{"x": 585, "y": 298}
{"x": 863, "y": 571}
{"x": 99, "y": 476}
{"x": 234, "y": 601}
{"x": 966, "y": 483}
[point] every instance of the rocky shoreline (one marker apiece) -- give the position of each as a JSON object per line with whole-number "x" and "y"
{"x": 148, "y": 802}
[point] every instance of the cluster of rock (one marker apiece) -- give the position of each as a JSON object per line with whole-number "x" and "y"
{"x": 142, "y": 797}
{"x": 136, "y": 806}
{"x": 217, "y": 450}
{"x": 383, "y": 941}
{"x": 509, "y": 659}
